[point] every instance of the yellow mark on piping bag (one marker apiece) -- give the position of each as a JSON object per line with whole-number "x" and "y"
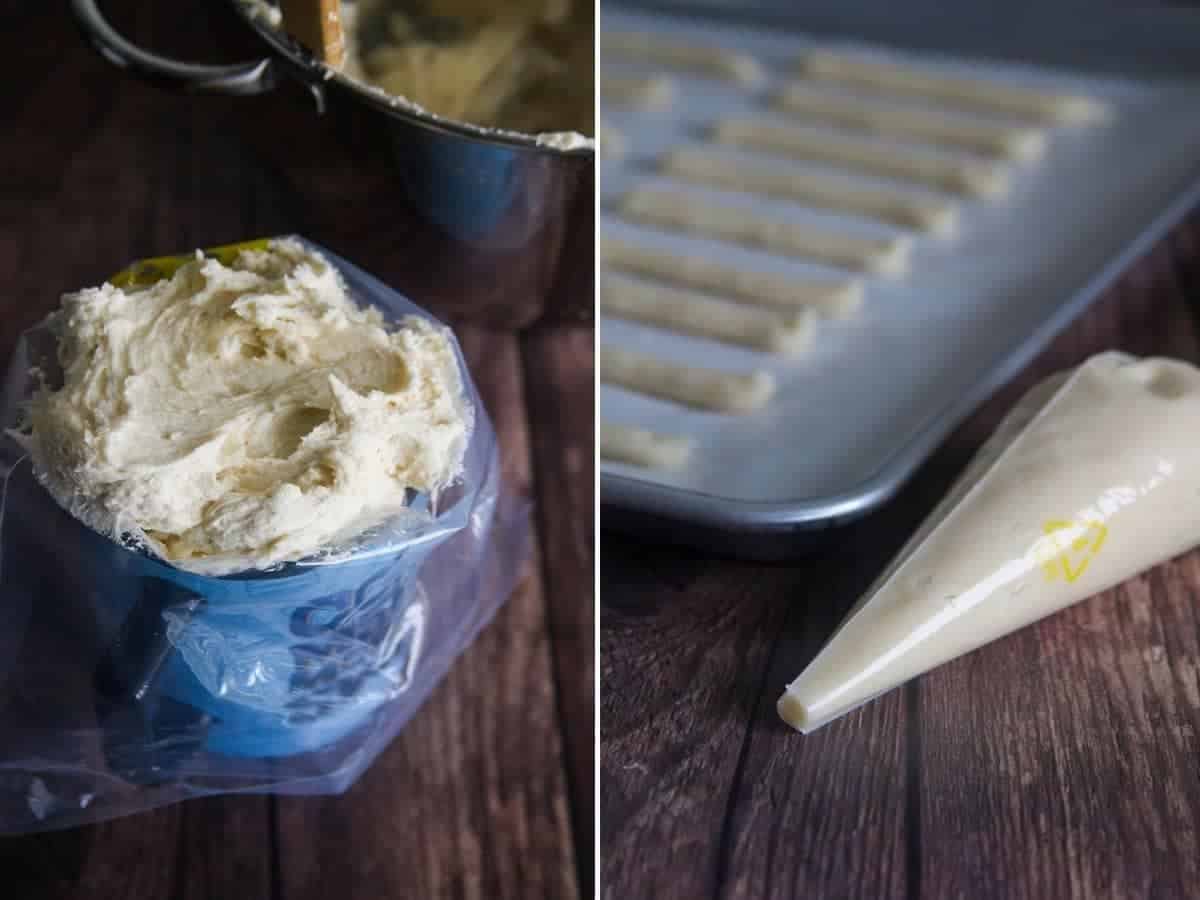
{"x": 1070, "y": 553}
{"x": 145, "y": 272}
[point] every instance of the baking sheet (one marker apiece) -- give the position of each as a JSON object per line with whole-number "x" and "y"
{"x": 853, "y": 416}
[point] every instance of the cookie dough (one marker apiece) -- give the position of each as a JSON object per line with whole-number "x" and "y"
{"x": 712, "y": 389}
{"x": 646, "y": 93}
{"x": 715, "y": 61}
{"x": 980, "y": 178}
{"x": 885, "y": 204}
{"x": 641, "y": 447}
{"x": 884, "y": 118}
{"x": 953, "y": 90}
{"x": 744, "y": 225}
{"x": 688, "y": 312}
{"x": 233, "y": 417}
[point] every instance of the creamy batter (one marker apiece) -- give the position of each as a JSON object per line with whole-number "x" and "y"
{"x": 741, "y": 224}
{"x": 858, "y": 153}
{"x": 899, "y": 78}
{"x": 640, "y": 447}
{"x": 690, "y": 312}
{"x": 238, "y": 416}
{"x": 1094, "y": 489}
{"x": 989, "y": 137}
{"x": 838, "y": 299}
{"x": 715, "y": 62}
{"x": 699, "y": 387}
{"x": 897, "y": 206}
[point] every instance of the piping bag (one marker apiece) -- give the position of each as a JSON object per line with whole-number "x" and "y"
{"x": 1091, "y": 479}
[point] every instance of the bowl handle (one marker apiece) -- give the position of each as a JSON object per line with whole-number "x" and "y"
{"x": 239, "y": 78}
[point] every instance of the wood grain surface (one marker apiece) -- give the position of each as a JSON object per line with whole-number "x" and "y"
{"x": 1060, "y": 762}
{"x": 564, "y": 457}
{"x": 488, "y": 792}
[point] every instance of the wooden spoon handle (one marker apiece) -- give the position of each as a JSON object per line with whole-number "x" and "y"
{"x": 317, "y": 24}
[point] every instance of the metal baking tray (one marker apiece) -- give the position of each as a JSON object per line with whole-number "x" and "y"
{"x": 854, "y": 419}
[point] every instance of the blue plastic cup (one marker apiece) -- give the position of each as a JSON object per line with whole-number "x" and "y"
{"x": 269, "y": 663}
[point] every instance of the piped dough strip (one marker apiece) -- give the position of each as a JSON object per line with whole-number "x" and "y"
{"x": 857, "y": 113}
{"x": 838, "y": 299}
{"x": 642, "y": 92}
{"x": 698, "y": 58}
{"x": 973, "y": 177}
{"x": 885, "y": 204}
{"x": 613, "y": 144}
{"x": 640, "y": 447}
{"x": 700, "y": 388}
{"x": 968, "y": 93}
{"x": 690, "y": 312}
{"x": 742, "y": 225}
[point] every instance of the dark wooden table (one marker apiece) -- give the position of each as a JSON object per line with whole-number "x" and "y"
{"x": 487, "y": 793}
{"x": 1062, "y": 761}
